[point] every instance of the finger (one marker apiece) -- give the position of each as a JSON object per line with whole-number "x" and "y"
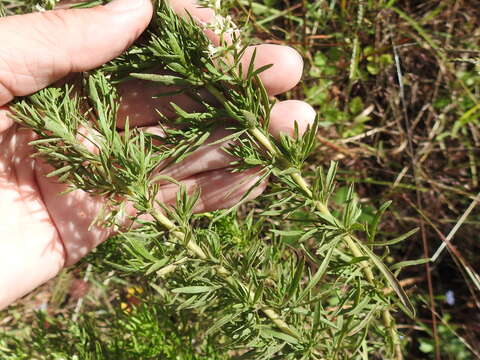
{"x": 287, "y": 63}
{"x": 141, "y": 104}
{"x": 40, "y": 48}
{"x": 141, "y": 108}
{"x": 284, "y": 114}
{"x": 285, "y": 72}
{"x": 219, "y": 189}
{"x": 212, "y": 155}
{"x": 191, "y": 7}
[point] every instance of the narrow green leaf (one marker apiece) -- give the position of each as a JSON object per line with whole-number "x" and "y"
{"x": 280, "y": 335}
{"x": 288, "y": 232}
{"x": 402, "y": 264}
{"x": 376, "y": 220}
{"x": 362, "y": 323}
{"x": 294, "y": 284}
{"x": 258, "y": 293}
{"x": 193, "y": 289}
{"x": 162, "y": 79}
{"x": 317, "y": 277}
{"x": 60, "y": 171}
{"x": 410, "y": 310}
{"x": 140, "y": 249}
{"x": 157, "y": 265}
{"x": 219, "y": 323}
{"x": 396, "y": 240}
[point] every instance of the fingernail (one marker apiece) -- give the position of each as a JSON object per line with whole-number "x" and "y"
{"x": 124, "y": 5}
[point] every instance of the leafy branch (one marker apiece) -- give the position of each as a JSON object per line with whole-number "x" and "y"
{"x": 269, "y": 297}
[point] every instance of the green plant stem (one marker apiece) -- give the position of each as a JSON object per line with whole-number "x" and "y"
{"x": 297, "y": 177}
{"x": 388, "y": 321}
{"x": 217, "y": 93}
{"x": 350, "y": 242}
{"x": 196, "y": 250}
{"x": 300, "y": 181}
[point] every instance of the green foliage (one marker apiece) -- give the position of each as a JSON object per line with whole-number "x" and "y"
{"x": 145, "y": 331}
{"x": 302, "y": 275}
{"x": 271, "y": 291}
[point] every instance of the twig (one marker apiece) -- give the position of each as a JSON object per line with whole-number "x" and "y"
{"x": 452, "y": 232}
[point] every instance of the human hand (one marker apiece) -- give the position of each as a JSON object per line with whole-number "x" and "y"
{"x": 41, "y": 231}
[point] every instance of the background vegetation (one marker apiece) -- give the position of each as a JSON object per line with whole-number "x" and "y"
{"x": 397, "y": 87}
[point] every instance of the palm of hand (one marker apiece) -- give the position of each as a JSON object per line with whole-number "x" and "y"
{"x": 31, "y": 200}
{"x": 50, "y": 231}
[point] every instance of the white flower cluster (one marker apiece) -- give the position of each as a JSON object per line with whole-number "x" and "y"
{"x": 212, "y": 50}
{"x": 39, "y": 8}
{"x": 222, "y": 25}
{"x": 225, "y": 28}
{"x": 45, "y": 5}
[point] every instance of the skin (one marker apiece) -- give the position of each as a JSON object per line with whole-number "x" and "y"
{"x": 41, "y": 231}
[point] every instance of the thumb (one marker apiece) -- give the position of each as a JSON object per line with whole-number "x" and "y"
{"x": 40, "y": 48}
